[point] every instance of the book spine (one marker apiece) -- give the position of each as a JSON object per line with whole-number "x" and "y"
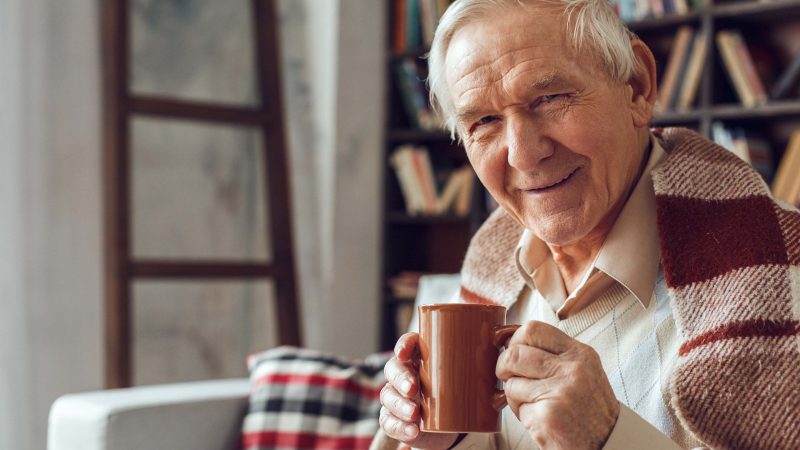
{"x": 733, "y": 69}
{"x": 403, "y": 165}
{"x": 788, "y": 174}
{"x": 413, "y": 28}
{"x": 429, "y": 19}
{"x": 424, "y": 172}
{"x": 672, "y": 71}
{"x": 400, "y": 26}
{"x": 694, "y": 72}
{"x": 788, "y": 78}
{"x": 681, "y": 7}
{"x": 450, "y": 191}
{"x": 464, "y": 200}
{"x": 746, "y": 61}
{"x": 686, "y": 57}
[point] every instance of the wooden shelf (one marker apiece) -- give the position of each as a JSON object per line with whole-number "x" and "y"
{"x": 752, "y": 11}
{"x": 768, "y": 111}
{"x": 664, "y": 22}
{"x": 677, "y": 117}
{"x": 400, "y": 218}
{"x": 411, "y": 134}
{"x": 389, "y": 298}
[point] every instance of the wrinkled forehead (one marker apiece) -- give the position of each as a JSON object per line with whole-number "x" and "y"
{"x": 492, "y": 46}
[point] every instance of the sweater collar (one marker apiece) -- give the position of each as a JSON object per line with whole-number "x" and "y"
{"x": 629, "y": 256}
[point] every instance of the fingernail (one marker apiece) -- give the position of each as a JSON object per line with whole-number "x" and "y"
{"x": 408, "y": 409}
{"x": 409, "y": 430}
{"x": 406, "y": 386}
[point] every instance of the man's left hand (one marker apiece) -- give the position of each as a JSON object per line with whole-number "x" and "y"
{"x": 557, "y": 388}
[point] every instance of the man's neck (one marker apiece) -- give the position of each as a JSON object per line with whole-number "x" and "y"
{"x": 575, "y": 259}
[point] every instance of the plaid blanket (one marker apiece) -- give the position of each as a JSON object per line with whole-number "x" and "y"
{"x": 305, "y": 399}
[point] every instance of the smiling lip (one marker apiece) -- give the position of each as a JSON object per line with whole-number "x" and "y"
{"x": 551, "y": 186}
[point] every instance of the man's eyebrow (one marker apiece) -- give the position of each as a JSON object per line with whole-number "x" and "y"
{"x": 467, "y": 114}
{"x": 550, "y": 81}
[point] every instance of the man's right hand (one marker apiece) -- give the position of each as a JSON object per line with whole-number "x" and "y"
{"x": 400, "y": 414}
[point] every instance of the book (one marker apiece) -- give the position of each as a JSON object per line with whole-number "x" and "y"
{"x": 721, "y": 136}
{"x": 454, "y": 184}
{"x": 429, "y": 20}
{"x": 787, "y": 79}
{"x": 786, "y": 185}
{"x": 402, "y": 162}
{"x": 672, "y": 72}
{"x": 424, "y": 176}
{"x": 442, "y": 7}
{"x": 746, "y": 61}
{"x": 693, "y": 73}
{"x": 740, "y": 146}
{"x": 681, "y": 7}
{"x": 414, "y": 96}
{"x": 464, "y": 200}
{"x": 413, "y": 25}
{"x": 399, "y": 26}
{"x": 730, "y": 58}
{"x": 760, "y": 151}
{"x": 405, "y": 284}
{"x": 656, "y": 8}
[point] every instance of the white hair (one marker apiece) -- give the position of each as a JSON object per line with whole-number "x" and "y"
{"x": 589, "y": 21}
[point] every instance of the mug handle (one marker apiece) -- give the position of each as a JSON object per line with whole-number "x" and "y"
{"x": 502, "y": 334}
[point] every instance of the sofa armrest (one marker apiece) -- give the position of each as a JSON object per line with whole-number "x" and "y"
{"x": 196, "y": 416}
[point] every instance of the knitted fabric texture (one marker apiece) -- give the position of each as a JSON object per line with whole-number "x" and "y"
{"x": 731, "y": 257}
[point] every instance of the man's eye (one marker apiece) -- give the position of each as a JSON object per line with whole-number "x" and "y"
{"x": 485, "y": 120}
{"x": 551, "y": 98}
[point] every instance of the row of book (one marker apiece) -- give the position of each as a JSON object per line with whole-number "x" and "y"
{"x": 755, "y": 149}
{"x": 426, "y": 192}
{"x": 740, "y": 68}
{"x": 415, "y": 23}
{"x": 414, "y": 96}
{"x": 633, "y": 10}
{"x": 743, "y": 71}
{"x": 683, "y": 70}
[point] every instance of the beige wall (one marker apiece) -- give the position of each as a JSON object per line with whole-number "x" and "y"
{"x": 334, "y": 83}
{"x": 50, "y": 193}
{"x": 50, "y": 210}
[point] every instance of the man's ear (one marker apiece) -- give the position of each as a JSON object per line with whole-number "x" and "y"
{"x": 643, "y": 91}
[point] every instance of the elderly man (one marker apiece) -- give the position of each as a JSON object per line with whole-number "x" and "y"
{"x": 656, "y": 280}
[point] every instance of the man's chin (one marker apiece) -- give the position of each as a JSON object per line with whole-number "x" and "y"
{"x": 560, "y": 233}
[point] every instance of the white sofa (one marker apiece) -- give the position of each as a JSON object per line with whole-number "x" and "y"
{"x": 192, "y": 416}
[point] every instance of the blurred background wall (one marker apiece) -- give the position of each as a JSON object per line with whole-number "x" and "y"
{"x": 51, "y": 305}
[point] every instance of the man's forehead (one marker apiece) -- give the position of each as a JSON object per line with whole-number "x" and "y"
{"x": 488, "y": 46}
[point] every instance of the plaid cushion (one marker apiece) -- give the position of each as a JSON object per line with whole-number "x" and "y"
{"x": 305, "y": 399}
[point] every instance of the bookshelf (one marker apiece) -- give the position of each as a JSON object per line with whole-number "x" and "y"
{"x": 437, "y": 243}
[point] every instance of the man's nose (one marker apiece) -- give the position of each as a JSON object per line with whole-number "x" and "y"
{"x": 527, "y": 142}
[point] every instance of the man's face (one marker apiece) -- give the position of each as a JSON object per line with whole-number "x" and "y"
{"x": 549, "y": 134}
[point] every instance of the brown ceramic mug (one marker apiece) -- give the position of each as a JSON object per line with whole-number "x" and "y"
{"x": 459, "y": 345}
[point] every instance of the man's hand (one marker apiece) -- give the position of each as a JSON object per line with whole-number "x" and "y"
{"x": 557, "y": 388}
{"x": 400, "y": 412}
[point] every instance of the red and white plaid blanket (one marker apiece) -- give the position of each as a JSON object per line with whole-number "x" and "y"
{"x": 305, "y": 399}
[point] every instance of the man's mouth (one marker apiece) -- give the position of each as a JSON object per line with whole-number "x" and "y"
{"x": 553, "y": 185}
